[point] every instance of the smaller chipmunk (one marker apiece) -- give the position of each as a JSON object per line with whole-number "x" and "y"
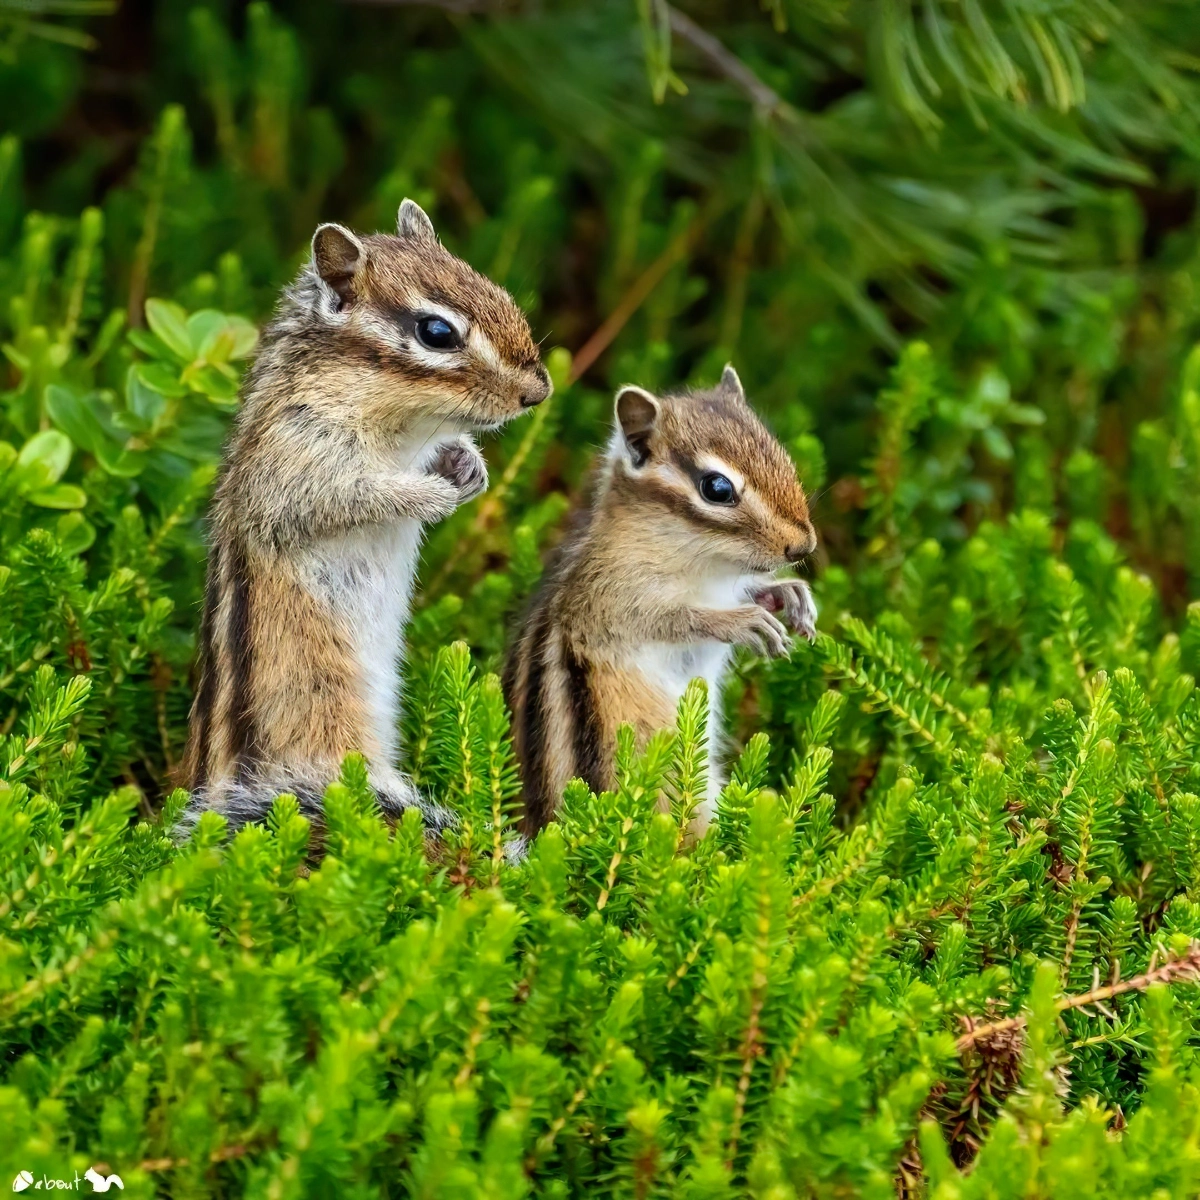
{"x": 354, "y": 433}
{"x": 696, "y": 506}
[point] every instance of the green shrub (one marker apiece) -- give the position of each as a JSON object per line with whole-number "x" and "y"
{"x": 943, "y": 939}
{"x": 622, "y": 1014}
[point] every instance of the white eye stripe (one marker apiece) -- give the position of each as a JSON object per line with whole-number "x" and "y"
{"x": 752, "y": 502}
{"x": 382, "y": 330}
{"x": 391, "y": 336}
{"x": 405, "y": 341}
{"x": 482, "y": 346}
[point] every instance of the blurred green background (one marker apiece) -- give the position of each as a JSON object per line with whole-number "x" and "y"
{"x": 950, "y": 246}
{"x": 801, "y": 188}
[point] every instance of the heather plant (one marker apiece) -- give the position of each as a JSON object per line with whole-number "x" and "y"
{"x": 944, "y": 937}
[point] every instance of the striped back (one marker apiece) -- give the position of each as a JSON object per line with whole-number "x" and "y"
{"x": 549, "y": 688}
{"x": 224, "y": 739}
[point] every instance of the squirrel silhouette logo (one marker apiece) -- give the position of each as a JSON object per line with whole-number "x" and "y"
{"x": 101, "y": 1183}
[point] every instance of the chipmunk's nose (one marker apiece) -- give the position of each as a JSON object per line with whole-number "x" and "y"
{"x": 537, "y": 389}
{"x": 804, "y": 547}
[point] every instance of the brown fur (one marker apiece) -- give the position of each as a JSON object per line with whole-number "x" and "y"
{"x": 652, "y": 577}
{"x": 350, "y": 437}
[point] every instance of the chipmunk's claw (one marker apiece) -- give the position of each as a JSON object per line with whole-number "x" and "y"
{"x": 793, "y": 598}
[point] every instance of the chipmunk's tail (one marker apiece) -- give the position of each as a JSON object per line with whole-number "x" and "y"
{"x": 247, "y": 800}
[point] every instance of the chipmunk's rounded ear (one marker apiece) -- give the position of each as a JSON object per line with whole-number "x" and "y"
{"x": 413, "y": 222}
{"x": 731, "y": 384}
{"x": 637, "y": 415}
{"x": 337, "y": 255}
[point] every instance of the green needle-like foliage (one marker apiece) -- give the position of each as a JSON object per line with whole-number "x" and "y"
{"x": 943, "y": 938}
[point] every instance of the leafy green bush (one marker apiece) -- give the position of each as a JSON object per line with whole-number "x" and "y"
{"x": 943, "y": 938}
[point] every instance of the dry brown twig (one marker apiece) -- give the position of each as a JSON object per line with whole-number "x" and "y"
{"x": 638, "y": 293}
{"x": 765, "y": 98}
{"x": 219, "y": 1155}
{"x": 1186, "y": 968}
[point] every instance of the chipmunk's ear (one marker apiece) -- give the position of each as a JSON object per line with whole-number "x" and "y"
{"x": 637, "y": 415}
{"x": 337, "y": 255}
{"x": 731, "y": 385}
{"x": 413, "y": 223}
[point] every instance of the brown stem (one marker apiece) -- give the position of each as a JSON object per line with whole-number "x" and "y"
{"x": 546, "y": 1142}
{"x": 1072, "y": 936}
{"x": 615, "y": 864}
{"x": 752, "y": 1046}
{"x": 689, "y": 959}
{"x": 638, "y": 293}
{"x": 765, "y": 98}
{"x": 219, "y": 1155}
{"x": 751, "y": 1049}
{"x": 33, "y": 988}
{"x": 476, "y": 1036}
{"x": 739, "y": 270}
{"x": 493, "y": 502}
{"x": 1186, "y": 968}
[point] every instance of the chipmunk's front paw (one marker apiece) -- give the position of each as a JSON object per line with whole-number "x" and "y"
{"x": 762, "y": 631}
{"x": 427, "y": 498}
{"x": 793, "y": 598}
{"x": 461, "y": 463}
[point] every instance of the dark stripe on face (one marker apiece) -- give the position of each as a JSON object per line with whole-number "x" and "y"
{"x": 405, "y": 319}
{"x": 687, "y": 466}
{"x": 680, "y": 505}
{"x": 206, "y": 694}
{"x": 539, "y": 806}
{"x": 243, "y": 729}
{"x": 584, "y": 718}
{"x": 376, "y": 356}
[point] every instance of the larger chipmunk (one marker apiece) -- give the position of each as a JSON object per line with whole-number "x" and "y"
{"x": 696, "y": 506}
{"x": 384, "y": 354}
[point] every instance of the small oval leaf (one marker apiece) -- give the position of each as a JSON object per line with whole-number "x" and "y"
{"x": 61, "y": 495}
{"x": 75, "y": 532}
{"x": 169, "y": 322}
{"x": 45, "y": 457}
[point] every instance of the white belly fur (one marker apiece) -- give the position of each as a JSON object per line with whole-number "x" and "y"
{"x": 669, "y": 667}
{"x": 366, "y": 577}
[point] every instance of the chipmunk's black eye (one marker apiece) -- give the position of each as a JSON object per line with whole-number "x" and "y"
{"x": 436, "y": 333}
{"x": 717, "y": 489}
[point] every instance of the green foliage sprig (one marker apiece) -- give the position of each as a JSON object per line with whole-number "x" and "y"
{"x": 942, "y": 937}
